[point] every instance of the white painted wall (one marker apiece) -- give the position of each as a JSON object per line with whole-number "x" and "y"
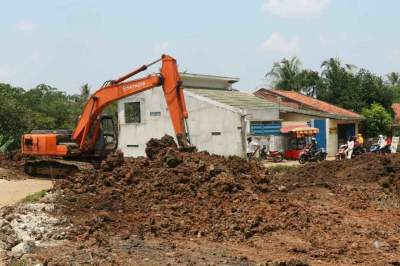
{"x": 204, "y": 118}
{"x": 271, "y": 114}
{"x": 333, "y": 137}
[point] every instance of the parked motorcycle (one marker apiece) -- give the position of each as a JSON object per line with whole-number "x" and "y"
{"x": 307, "y": 156}
{"x": 341, "y": 153}
{"x": 275, "y": 156}
{"x": 358, "y": 150}
{"x": 375, "y": 148}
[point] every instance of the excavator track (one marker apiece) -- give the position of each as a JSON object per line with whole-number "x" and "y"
{"x": 55, "y": 168}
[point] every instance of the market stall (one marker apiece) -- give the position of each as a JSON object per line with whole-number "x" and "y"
{"x": 297, "y": 137}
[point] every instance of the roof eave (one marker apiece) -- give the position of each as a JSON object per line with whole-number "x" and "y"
{"x": 321, "y": 114}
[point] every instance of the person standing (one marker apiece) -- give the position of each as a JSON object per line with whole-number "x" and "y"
{"x": 252, "y": 146}
{"x": 360, "y": 139}
{"x": 350, "y": 148}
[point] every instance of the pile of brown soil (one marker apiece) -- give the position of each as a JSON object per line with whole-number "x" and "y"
{"x": 335, "y": 212}
{"x": 169, "y": 193}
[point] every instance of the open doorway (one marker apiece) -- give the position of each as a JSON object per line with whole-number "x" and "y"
{"x": 345, "y": 131}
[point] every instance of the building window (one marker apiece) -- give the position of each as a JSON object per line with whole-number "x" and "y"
{"x": 155, "y": 113}
{"x": 132, "y": 112}
{"x": 265, "y": 128}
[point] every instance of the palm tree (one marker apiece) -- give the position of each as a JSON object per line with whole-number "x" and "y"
{"x": 393, "y": 78}
{"x": 331, "y": 65}
{"x": 337, "y": 79}
{"x": 285, "y": 73}
{"x": 85, "y": 92}
{"x": 334, "y": 65}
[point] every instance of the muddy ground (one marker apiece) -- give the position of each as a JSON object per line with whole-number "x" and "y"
{"x": 182, "y": 208}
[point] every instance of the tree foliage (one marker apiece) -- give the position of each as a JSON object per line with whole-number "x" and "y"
{"x": 393, "y": 78}
{"x": 43, "y": 107}
{"x": 284, "y": 74}
{"x": 377, "y": 120}
{"x": 343, "y": 85}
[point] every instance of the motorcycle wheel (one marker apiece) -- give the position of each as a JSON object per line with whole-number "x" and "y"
{"x": 302, "y": 159}
{"x": 321, "y": 157}
{"x": 278, "y": 158}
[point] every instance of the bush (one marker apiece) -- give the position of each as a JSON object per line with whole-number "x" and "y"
{"x": 377, "y": 120}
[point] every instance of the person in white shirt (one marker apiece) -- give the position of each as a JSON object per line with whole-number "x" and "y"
{"x": 350, "y": 148}
{"x": 381, "y": 142}
{"x": 252, "y": 146}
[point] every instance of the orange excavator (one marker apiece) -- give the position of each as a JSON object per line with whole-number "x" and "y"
{"x": 61, "y": 152}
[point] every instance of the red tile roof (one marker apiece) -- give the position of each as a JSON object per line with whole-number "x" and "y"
{"x": 307, "y": 102}
{"x": 396, "y": 110}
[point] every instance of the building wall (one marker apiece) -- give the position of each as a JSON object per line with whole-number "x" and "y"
{"x": 271, "y": 114}
{"x": 212, "y": 127}
{"x": 293, "y": 117}
{"x": 332, "y": 137}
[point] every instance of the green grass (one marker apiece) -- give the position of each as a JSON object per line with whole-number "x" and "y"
{"x": 20, "y": 262}
{"x": 35, "y": 197}
{"x": 281, "y": 168}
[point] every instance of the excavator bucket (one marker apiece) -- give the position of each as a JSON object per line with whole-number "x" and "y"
{"x": 184, "y": 144}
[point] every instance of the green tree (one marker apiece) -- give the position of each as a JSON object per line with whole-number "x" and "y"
{"x": 369, "y": 88}
{"x": 15, "y": 118}
{"x": 43, "y": 107}
{"x": 377, "y": 120}
{"x": 309, "y": 82}
{"x": 85, "y": 92}
{"x": 284, "y": 74}
{"x": 79, "y": 101}
{"x": 393, "y": 78}
{"x": 351, "y": 89}
{"x": 51, "y": 108}
{"x": 337, "y": 80}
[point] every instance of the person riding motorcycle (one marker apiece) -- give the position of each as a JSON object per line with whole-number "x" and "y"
{"x": 313, "y": 146}
{"x": 311, "y": 153}
{"x": 381, "y": 142}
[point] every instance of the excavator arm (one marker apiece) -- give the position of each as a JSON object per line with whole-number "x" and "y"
{"x": 88, "y": 127}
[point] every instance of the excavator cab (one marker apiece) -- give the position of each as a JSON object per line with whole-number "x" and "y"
{"x": 108, "y": 138}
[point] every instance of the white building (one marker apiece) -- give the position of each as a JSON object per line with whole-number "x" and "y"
{"x": 220, "y": 118}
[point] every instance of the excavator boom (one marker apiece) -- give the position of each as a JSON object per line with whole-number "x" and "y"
{"x": 116, "y": 90}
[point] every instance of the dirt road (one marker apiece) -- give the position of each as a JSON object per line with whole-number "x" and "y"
{"x": 290, "y": 162}
{"x": 13, "y": 191}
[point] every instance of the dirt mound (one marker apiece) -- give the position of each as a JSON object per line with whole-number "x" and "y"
{"x": 381, "y": 169}
{"x": 11, "y": 166}
{"x": 171, "y": 192}
{"x": 343, "y": 212}
{"x": 157, "y": 147}
{"x": 112, "y": 161}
